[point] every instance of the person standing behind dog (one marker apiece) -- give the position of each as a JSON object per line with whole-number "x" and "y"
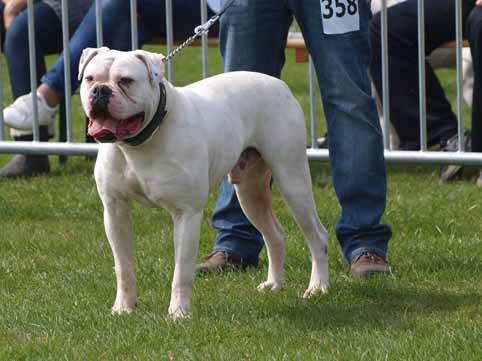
{"x": 403, "y": 69}
{"x": 253, "y": 37}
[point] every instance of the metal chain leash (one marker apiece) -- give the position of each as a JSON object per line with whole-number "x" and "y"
{"x": 198, "y": 31}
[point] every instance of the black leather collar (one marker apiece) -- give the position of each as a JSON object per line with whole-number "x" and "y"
{"x": 155, "y": 122}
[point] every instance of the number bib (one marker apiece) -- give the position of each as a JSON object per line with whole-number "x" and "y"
{"x": 340, "y": 16}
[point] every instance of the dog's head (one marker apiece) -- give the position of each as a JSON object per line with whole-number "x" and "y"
{"x": 119, "y": 91}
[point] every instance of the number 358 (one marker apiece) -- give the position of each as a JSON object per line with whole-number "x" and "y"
{"x": 339, "y": 8}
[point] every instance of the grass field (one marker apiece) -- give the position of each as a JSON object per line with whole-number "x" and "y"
{"x": 57, "y": 281}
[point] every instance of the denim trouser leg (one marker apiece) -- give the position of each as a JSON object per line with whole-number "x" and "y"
{"x": 356, "y": 146}
{"x": 250, "y": 34}
{"x": 48, "y": 40}
{"x": 251, "y": 39}
{"x": 116, "y": 30}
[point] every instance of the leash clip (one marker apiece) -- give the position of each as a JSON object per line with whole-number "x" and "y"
{"x": 204, "y": 28}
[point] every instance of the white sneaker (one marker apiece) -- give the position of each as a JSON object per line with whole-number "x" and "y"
{"x": 19, "y": 115}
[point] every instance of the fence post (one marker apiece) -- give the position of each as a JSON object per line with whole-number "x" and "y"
{"x": 33, "y": 69}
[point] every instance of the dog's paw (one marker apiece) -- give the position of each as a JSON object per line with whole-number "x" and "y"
{"x": 314, "y": 289}
{"x": 271, "y": 285}
{"x": 123, "y": 307}
{"x": 179, "y": 313}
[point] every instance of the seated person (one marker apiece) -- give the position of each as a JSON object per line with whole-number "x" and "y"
{"x": 403, "y": 70}
{"x": 116, "y": 32}
{"x": 48, "y": 40}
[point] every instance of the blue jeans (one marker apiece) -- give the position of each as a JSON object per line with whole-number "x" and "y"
{"x": 253, "y": 37}
{"x": 48, "y": 40}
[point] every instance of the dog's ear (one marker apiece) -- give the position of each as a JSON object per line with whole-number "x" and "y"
{"x": 87, "y": 55}
{"x": 154, "y": 65}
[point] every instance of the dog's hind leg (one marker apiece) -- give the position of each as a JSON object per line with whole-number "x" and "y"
{"x": 252, "y": 185}
{"x": 295, "y": 186}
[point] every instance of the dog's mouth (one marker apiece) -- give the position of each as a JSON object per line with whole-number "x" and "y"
{"x": 107, "y": 129}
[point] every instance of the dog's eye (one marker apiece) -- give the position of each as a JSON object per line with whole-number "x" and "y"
{"x": 125, "y": 81}
{"x": 89, "y": 78}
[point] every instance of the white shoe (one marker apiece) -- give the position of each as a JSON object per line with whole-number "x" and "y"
{"x": 19, "y": 115}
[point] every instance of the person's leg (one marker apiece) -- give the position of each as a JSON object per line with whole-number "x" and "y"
{"x": 473, "y": 27}
{"x": 116, "y": 31}
{"x": 356, "y": 147}
{"x": 403, "y": 70}
{"x": 48, "y": 40}
{"x": 252, "y": 38}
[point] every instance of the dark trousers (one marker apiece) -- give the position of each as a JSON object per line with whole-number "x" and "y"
{"x": 403, "y": 69}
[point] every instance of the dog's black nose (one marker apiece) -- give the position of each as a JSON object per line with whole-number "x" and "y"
{"x": 102, "y": 91}
{"x": 100, "y": 99}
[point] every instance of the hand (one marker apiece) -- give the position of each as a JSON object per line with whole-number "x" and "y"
{"x": 478, "y": 3}
{"x": 12, "y": 9}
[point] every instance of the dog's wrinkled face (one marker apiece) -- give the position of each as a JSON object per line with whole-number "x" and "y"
{"x": 119, "y": 91}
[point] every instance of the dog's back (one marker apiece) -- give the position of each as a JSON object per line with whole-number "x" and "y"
{"x": 253, "y": 110}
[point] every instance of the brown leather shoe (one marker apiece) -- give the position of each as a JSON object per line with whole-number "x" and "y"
{"x": 367, "y": 263}
{"x": 221, "y": 261}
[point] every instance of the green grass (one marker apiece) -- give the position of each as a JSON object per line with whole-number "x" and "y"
{"x": 57, "y": 281}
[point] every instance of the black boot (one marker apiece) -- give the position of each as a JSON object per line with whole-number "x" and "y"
{"x": 26, "y": 165}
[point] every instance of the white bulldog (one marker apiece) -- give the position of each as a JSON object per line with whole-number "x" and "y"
{"x": 167, "y": 146}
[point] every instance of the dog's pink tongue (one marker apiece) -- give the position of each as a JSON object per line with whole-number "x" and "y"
{"x": 102, "y": 127}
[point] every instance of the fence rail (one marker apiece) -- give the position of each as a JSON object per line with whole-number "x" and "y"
{"x": 71, "y": 148}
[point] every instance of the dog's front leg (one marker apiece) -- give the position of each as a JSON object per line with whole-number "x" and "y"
{"x": 187, "y": 227}
{"x": 118, "y": 227}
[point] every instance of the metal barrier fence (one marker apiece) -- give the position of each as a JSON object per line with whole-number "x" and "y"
{"x": 71, "y": 148}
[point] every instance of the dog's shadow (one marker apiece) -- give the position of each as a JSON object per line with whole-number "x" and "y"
{"x": 370, "y": 307}
{"x": 382, "y": 302}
